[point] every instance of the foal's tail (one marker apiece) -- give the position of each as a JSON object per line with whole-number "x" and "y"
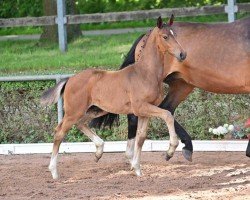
{"x": 52, "y": 95}
{"x": 110, "y": 118}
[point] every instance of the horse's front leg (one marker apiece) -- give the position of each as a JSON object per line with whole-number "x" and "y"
{"x": 178, "y": 91}
{"x": 140, "y": 138}
{"x": 132, "y": 128}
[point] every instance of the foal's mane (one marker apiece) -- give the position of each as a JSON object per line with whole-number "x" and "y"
{"x": 144, "y": 42}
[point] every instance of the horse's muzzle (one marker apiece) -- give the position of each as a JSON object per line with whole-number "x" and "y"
{"x": 182, "y": 56}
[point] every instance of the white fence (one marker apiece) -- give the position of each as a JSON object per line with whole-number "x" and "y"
{"x": 120, "y": 146}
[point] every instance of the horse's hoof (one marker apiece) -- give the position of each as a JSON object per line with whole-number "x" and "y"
{"x": 168, "y": 157}
{"x": 187, "y": 154}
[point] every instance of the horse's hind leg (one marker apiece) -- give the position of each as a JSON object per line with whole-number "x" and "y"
{"x": 248, "y": 149}
{"x": 94, "y": 138}
{"x": 60, "y": 131}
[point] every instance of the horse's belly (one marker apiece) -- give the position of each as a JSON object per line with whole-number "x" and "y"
{"x": 225, "y": 88}
{"x": 230, "y": 81}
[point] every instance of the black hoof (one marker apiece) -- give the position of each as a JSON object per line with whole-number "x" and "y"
{"x": 168, "y": 157}
{"x": 187, "y": 154}
{"x": 248, "y": 155}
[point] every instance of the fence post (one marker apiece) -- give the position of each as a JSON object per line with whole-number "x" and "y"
{"x": 231, "y": 9}
{"x": 59, "y": 106}
{"x": 61, "y": 21}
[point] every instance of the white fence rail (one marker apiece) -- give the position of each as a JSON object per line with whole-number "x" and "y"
{"x": 120, "y": 146}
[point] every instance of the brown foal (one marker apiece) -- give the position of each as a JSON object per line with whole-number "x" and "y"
{"x": 137, "y": 89}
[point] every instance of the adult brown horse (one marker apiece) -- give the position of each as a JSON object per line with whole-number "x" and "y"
{"x": 218, "y": 61}
{"x": 136, "y": 89}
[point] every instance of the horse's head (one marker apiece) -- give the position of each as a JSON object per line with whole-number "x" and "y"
{"x": 166, "y": 39}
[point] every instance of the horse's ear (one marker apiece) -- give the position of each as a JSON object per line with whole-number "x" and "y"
{"x": 159, "y": 22}
{"x": 171, "y": 20}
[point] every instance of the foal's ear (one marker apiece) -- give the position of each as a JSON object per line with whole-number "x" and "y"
{"x": 159, "y": 22}
{"x": 171, "y": 20}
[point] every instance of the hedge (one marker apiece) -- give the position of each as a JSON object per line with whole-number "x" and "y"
{"x": 24, "y": 120}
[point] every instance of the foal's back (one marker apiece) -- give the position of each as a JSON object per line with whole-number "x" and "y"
{"x": 116, "y": 88}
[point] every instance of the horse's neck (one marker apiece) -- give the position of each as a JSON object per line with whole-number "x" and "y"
{"x": 151, "y": 62}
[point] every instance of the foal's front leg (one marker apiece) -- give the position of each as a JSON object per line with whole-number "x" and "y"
{"x": 139, "y": 140}
{"x": 154, "y": 111}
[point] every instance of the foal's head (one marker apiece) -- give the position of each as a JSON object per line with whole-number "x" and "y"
{"x": 166, "y": 39}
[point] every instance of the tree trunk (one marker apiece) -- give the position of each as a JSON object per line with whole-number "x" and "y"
{"x": 73, "y": 30}
{"x": 50, "y": 33}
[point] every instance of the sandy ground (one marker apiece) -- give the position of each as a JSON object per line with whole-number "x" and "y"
{"x": 211, "y": 175}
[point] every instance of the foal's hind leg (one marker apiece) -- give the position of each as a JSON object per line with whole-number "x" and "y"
{"x": 141, "y": 135}
{"x": 60, "y": 131}
{"x": 94, "y": 138}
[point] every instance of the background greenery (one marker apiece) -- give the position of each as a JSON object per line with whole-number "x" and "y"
{"x": 24, "y": 8}
{"x": 23, "y": 120}
{"x": 34, "y": 8}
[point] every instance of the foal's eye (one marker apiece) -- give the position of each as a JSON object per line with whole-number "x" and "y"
{"x": 165, "y": 37}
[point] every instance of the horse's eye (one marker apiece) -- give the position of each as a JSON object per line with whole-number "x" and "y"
{"x": 165, "y": 37}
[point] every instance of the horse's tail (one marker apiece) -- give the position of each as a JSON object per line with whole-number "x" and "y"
{"x": 110, "y": 119}
{"x": 52, "y": 95}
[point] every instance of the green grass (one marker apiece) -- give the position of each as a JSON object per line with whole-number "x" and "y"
{"x": 28, "y": 57}
{"x": 20, "y": 30}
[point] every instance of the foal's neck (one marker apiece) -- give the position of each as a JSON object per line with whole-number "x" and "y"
{"x": 151, "y": 62}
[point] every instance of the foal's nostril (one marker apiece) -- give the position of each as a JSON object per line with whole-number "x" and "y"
{"x": 183, "y": 56}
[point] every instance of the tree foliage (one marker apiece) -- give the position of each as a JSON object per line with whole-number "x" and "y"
{"x": 34, "y": 8}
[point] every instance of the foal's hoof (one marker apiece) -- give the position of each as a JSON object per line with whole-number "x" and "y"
{"x": 187, "y": 154}
{"x": 54, "y": 174}
{"x": 168, "y": 157}
{"x": 137, "y": 171}
{"x": 97, "y": 158}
